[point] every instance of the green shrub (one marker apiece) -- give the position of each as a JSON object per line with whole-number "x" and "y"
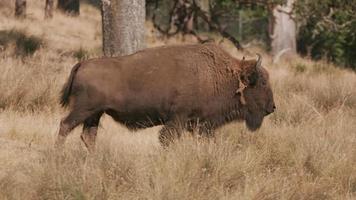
{"x": 81, "y": 54}
{"x": 300, "y": 68}
{"x": 327, "y": 30}
{"x": 25, "y": 45}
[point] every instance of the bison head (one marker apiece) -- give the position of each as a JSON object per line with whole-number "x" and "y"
{"x": 256, "y": 97}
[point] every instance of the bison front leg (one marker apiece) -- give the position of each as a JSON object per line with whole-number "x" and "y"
{"x": 90, "y": 130}
{"x": 206, "y": 130}
{"x": 201, "y": 130}
{"x": 170, "y": 132}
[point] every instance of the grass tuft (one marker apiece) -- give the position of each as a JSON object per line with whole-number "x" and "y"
{"x": 25, "y": 45}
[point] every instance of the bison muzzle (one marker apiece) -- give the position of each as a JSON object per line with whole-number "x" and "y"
{"x": 185, "y": 87}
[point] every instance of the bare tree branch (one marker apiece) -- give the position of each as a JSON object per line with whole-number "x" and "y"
{"x": 181, "y": 17}
{"x": 202, "y": 14}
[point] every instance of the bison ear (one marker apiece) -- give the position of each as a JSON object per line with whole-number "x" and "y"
{"x": 250, "y": 76}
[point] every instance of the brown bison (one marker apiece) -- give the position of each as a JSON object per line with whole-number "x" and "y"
{"x": 188, "y": 87}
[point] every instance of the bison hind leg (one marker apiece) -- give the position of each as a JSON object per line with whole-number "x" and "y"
{"x": 90, "y": 129}
{"x": 67, "y": 124}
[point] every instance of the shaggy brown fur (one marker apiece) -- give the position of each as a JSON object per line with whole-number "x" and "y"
{"x": 179, "y": 87}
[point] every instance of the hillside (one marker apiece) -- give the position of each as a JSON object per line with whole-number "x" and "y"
{"x": 305, "y": 150}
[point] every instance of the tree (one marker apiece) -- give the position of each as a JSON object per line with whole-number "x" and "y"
{"x": 123, "y": 23}
{"x": 49, "y": 8}
{"x": 69, "y": 6}
{"x": 282, "y": 26}
{"x": 283, "y": 30}
{"x": 182, "y": 15}
{"x": 219, "y": 15}
{"x": 327, "y": 30}
{"x": 20, "y": 8}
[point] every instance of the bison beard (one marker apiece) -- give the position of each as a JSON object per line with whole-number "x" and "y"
{"x": 254, "y": 121}
{"x": 174, "y": 86}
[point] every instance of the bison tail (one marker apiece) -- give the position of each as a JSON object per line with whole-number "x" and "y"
{"x": 67, "y": 88}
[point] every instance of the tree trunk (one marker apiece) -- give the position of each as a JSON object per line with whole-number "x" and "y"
{"x": 123, "y": 25}
{"x": 283, "y": 28}
{"x": 20, "y": 8}
{"x": 69, "y": 6}
{"x": 49, "y": 8}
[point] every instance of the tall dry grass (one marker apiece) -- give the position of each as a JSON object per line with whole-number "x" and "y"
{"x": 305, "y": 150}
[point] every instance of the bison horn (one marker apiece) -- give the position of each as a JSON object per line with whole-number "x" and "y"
{"x": 259, "y": 60}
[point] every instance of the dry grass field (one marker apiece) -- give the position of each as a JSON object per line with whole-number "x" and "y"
{"x": 305, "y": 150}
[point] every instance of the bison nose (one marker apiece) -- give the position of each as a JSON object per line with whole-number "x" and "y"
{"x": 269, "y": 111}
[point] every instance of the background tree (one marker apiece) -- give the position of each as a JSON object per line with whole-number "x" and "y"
{"x": 181, "y": 16}
{"x": 231, "y": 18}
{"x": 49, "y": 8}
{"x": 284, "y": 31}
{"x": 327, "y": 30}
{"x": 20, "y": 8}
{"x": 258, "y": 19}
{"x": 69, "y": 6}
{"x": 123, "y": 25}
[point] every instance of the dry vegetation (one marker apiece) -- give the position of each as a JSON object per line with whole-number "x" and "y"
{"x": 306, "y": 150}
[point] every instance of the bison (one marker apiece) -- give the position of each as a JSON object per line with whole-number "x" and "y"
{"x": 183, "y": 87}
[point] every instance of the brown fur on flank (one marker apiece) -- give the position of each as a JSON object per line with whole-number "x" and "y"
{"x": 174, "y": 86}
